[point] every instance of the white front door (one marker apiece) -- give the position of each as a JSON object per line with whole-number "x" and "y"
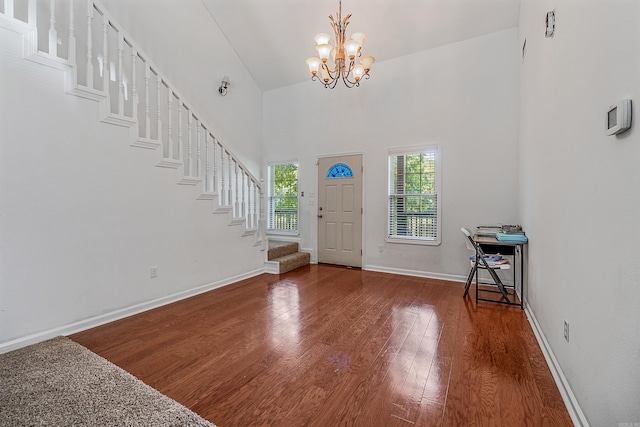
{"x": 340, "y": 210}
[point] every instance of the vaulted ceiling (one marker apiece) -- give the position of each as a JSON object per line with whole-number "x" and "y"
{"x": 274, "y": 37}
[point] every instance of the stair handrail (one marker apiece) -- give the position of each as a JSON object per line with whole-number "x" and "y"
{"x": 32, "y": 21}
{"x": 143, "y": 55}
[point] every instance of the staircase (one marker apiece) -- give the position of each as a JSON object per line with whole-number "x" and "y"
{"x": 102, "y": 63}
{"x": 284, "y": 256}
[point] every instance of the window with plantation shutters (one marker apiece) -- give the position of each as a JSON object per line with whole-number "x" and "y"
{"x": 414, "y": 191}
{"x": 283, "y": 198}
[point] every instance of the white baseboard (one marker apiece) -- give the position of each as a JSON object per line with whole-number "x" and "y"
{"x": 272, "y": 267}
{"x": 431, "y": 275}
{"x": 94, "y": 321}
{"x": 570, "y": 401}
{"x": 312, "y": 254}
{"x": 416, "y": 273}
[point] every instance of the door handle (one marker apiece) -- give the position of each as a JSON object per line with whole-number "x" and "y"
{"x": 319, "y": 216}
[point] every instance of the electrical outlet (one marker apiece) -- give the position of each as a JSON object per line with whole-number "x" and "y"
{"x": 380, "y": 247}
{"x": 566, "y": 331}
{"x": 153, "y": 271}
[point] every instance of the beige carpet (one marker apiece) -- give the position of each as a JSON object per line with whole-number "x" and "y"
{"x": 61, "y": 383}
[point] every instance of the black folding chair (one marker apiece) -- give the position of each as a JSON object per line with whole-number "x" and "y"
{"x": 481, "y": 262}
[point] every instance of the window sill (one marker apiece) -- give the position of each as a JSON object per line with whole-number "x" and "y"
{"x": 413, "y": 241}
{"x": 283, "y": 233}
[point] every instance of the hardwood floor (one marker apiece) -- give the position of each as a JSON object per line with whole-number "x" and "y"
{"x": 330, "y": 346}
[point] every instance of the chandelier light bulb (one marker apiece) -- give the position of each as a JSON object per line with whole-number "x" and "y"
{"x": 325, "y": 75}
{"x": 322, "y": 38}
{"x": 359, "y": 37}
{"x": 367, "y": 62}
{"x": 314, "y": 64}
{"x": 324, "y": 50}
{"x": 358, "y": 72}
{"x": 351, "y": 47}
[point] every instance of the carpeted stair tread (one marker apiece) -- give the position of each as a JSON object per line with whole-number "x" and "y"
{"x": 279, "y": 249}
{"x": 292, "y": 261}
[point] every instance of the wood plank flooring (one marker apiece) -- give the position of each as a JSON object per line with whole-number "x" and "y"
{"x": 330, "y": 346}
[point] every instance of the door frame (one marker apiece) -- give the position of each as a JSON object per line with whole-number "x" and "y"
{"x": 364, "y": 212}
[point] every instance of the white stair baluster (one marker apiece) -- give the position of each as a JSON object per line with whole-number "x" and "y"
{"x": 198, "y": 164}
{"x": 243, "y": 203}
{"x": 247, "y": 208}
{"x": 170, "y": 126}
{"x": 254, "y": 219}
{"x": 105, "y": 52}
{"x": 230, "y": 191}
{"x": 236, "y": 188}
{"x": 31, "y": 13}
{"x": 120, "y": 76}
{"x": 53, "y": 34}
{"x": 215, "y": 167}
{"x": 223, "y": 190}
{"x": 159, "y": 112}
{"x": 261, "y": 223}
{"x": 134, "y": 85}
{"x": 72, "y": 36}
{"x": 180, "y": 152}
{"x": 8, "y": 8}
{"x": 189, "y": 162}
{"x": 206, "y": 163}
{"x": 211, "y": 163}
{"x": 90, "y": 44}
{"x": 147, "y": 116}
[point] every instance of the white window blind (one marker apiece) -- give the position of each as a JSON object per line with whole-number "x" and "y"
{"x": 414, "y": 190}
{"x": 283, "y": 197}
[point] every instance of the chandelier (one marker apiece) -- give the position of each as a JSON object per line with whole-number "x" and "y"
{"x": 350, "y": 72}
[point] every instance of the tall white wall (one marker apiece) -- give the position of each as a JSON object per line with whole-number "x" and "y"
{"x": 579, "y": 198}
{"x": 83, "y": 216}
{"x": 462, "y": 96}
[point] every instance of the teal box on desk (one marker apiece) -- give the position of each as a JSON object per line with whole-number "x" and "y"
{"x": 517, "y": 238}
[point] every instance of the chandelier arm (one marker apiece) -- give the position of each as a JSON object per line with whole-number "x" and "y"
{"x": 346, "y": 72}
{"x": 349, "y": 83}
{"x": 328, "y": 69}
{"x": 316, "y": 77}
{"x": 333, "y": 76}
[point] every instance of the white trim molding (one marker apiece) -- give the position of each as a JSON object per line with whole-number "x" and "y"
{"x": 416, "y": 273}
{"x": 570, "y": 401}
{"x": 121, "y": 313}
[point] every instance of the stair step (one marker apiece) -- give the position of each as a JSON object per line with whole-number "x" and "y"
{"x": 279, "y": 249}
{"x": 292, "y": 261}
{"x": 249, "y": 232}
{"x": 169, "y": 163}
{"x": 238, "y": 221}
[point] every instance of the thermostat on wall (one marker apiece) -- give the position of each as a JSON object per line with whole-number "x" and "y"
{"x": 619, "y": 117}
